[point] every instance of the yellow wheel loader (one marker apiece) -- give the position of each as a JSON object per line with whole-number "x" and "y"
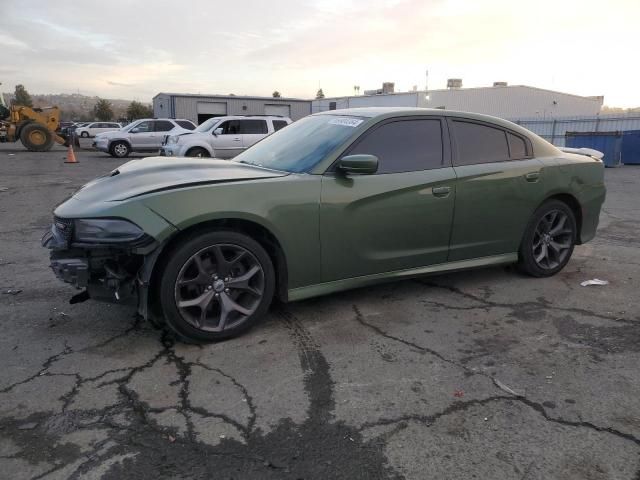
{"x": 34, "y": 127}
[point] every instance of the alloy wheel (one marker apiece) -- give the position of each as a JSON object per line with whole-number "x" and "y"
{"x": 552, "y": 240}
{"x": 219, "y": 287}
{"x": 120, "y": 150}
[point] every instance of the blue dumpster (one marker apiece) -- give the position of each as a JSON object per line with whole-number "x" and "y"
{"x": 609, "y": 143}
{"x": 631, "y": 147}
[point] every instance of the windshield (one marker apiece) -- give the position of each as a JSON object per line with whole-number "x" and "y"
{"x": 301, "y": 145}
{"x": 206, "y": 126}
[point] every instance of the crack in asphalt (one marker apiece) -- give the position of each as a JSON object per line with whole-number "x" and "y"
{"x": 516, "y": 307}
{"x": 458, "y": 406}
{"x": 320, "y": 445}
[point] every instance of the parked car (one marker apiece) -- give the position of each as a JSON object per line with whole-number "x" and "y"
{"x": 94, "y": 128}
{"x": 337, "y": 200}
{"x": 145, "y": 135}
{"x": 223, "y": 137}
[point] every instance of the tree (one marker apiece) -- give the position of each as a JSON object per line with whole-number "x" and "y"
{"x": 320, "y": 94}
{"x": 137, "y": 110}
{"x": 22, "y": 97}
{"x": 276, "y": 94}
{"x": 102, "y": 110}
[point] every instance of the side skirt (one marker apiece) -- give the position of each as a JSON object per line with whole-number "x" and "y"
{"x": 365, "y": 280}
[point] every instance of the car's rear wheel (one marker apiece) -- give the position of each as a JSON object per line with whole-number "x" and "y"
{"x": 216, "y": 285}
{"x": 548, "y": 240}
{"x": 197, "y": 152}
{"x": 84, "y": 134}
{"x": 120, "y": 149}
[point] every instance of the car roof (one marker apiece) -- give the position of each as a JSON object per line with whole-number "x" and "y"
{"x": 391, "y": 112}
{"x": 244, "y": 117}
{"x": 381, "y": 113}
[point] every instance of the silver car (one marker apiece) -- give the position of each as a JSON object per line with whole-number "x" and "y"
{"x": 145, "y": 135}
{"x": 223, "y": 137}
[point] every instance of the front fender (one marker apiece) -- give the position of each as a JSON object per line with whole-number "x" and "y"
{"x": 196, "y": 144}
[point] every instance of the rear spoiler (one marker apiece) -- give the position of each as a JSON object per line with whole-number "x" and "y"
{"x": 589, "y": 152}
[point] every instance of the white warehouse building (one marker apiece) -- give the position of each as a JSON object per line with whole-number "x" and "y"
{"x": 198, "y": 108}
{"x": 509, "y": 102}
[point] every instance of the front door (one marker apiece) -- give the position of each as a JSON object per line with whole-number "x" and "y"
{"x": 398, "y": 218}
{"x": 499, "y": 185}
{"x": 143, "y": 135}
{"x": 228, "y": 142}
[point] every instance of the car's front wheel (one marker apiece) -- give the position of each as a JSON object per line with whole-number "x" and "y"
{"x": 548, "y": 240}
{"x": 84, "y": 134}
{"x": 216, "y": 285}
{"x": 197, "y": 152}
{"x": 120, "y": 149}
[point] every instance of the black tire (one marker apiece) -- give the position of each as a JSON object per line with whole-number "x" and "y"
{"x": 84, "y": 134}
{"x": 182, "y": 299}
{"x": 549, "y": 240}
{"x": 120, "y": 149}
{"x": 197, "y": 152}
{"x": 36, "y": 138}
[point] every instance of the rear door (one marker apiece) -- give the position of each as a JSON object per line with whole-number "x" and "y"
{"x": 253, "y": 130}
{"x": 161, "y": 129}
{"x": 499, "y": 185}
{"x": 398, "y": 218}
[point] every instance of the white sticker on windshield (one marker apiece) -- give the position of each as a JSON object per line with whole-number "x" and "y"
{"x": 346, "y": 122}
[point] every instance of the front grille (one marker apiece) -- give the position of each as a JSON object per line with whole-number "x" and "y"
{"x": 64, "y": 226}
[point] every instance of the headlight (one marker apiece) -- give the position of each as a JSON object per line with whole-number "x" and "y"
{"x": 173, "y": 139}
{"x": 105, "y": 230}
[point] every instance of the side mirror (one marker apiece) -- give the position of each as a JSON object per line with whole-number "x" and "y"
{"x": 360, "y": 164}
{"x": 218, "y": 131}
{"x": 135, "y": 130}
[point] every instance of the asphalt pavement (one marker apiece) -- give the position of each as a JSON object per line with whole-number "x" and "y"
{"x": 485, "y": 374}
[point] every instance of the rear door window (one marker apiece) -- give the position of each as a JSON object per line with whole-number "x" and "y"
{"x": 163, "y": 126}
{"x": 477, "y": 143}
{"x": 252, "y": 127}
{"x": 404, "y": 146}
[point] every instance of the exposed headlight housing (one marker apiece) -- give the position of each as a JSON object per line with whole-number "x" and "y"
{"x": 105, "y": 230}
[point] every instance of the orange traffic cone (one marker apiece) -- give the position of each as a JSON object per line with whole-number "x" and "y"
{"x": 71, "y": 157}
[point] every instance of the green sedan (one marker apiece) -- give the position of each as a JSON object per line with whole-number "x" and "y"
{"x": 337, "y": 200}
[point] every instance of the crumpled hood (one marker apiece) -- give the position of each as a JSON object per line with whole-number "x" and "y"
{"x": 155, "y": 174}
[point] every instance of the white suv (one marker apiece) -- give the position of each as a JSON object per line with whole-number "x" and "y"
{"x": 145, "y": 135}
{"x": 94, "y": 128}
{"x": 223, "y": 137}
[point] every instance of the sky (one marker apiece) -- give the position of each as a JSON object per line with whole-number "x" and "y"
{"x": 133, "y": 50}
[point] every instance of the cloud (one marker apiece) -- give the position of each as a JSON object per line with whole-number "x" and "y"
{"x": 120, "y": 84}
{"x": 254, "y": 47}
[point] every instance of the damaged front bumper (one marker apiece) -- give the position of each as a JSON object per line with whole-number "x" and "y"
{"x": 111, "y": 273}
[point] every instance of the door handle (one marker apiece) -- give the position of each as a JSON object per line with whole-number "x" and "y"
{"x": 441, "y": 192}
{"x": 532, "y": 177}
{"x": 236, "y": 139}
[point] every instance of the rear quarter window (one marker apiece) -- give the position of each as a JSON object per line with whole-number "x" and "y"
{"x": 517, "y": 146}
{"x": 279, "y": 125}
{"x": 186, "y": 125}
